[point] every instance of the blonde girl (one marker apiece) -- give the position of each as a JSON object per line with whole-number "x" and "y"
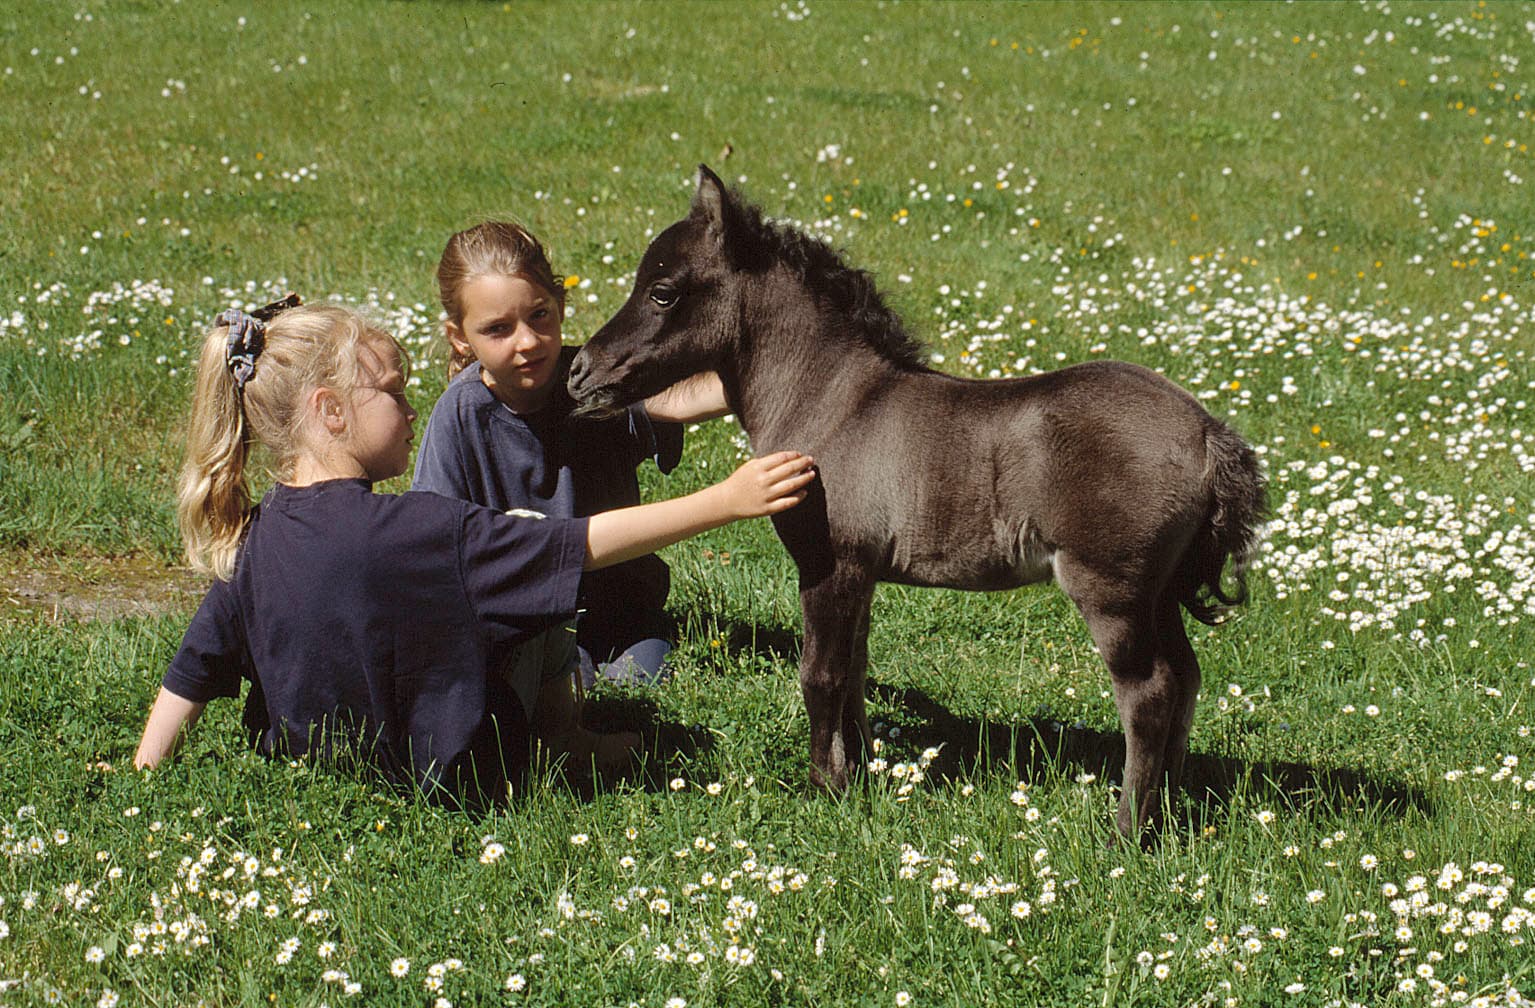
{"x": 379, "y": 628}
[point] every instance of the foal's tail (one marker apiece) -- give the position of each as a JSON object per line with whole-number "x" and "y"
{"x": 1238, "y": 495}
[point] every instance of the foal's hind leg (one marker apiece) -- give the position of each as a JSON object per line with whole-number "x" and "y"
{"x": 836, "y": 613}
{"x": 1145, "y": 691}
{"x": 1174, "y": 650}
{"x": 1147, "y": 697}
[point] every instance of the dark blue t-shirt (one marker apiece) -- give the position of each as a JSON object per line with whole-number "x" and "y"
{"x": 477, "y": 449}
{"x": 378, "y": 626}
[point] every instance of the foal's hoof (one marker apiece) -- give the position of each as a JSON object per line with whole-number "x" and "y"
{"x": 1147, "y": 838}
{"x": 827, "y": 783}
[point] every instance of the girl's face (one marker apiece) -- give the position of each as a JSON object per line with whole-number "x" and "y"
{"x": 381, "y": 422}
{"x": 512, "y": 327}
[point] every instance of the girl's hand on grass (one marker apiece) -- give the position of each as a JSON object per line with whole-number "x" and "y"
{"x": 768, "y": 485}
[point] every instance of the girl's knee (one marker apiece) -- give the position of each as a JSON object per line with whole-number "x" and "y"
{"x": 642, "y": 663}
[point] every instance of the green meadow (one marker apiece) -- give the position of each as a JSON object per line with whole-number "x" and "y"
{"x": 1317, "y": 217}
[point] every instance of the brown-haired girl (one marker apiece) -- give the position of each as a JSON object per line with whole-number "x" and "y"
{"x": 375, "y": 627}
{"x": 503, "y": 434}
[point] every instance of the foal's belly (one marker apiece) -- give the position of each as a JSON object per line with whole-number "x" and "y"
{"x": 967, "y": 564}
{"x": 934, "y": 531}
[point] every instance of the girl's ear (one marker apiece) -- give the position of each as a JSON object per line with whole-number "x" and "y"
{"x": 457, "y": 340}
{"x": 326, "y": 409}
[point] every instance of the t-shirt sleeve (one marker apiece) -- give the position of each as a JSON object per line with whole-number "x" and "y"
{"x": 522, "y": 575}
{"x": 440, "y": 464}
{"x": 213, "y": 656}
{"x": 660, "y": 440}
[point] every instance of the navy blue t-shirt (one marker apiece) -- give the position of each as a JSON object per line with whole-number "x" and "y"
{"x": 378, "y": 626}
{"x": 477, "y": 449}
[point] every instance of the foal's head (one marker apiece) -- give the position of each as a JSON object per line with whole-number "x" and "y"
{"x": 690, "y": 310}
{"x": 682, "y": 316}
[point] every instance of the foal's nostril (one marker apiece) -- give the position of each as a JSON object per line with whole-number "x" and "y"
{"x": 578, "y": 371}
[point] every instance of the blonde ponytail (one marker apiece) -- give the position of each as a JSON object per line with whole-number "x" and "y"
{"x": 214, "y": 501}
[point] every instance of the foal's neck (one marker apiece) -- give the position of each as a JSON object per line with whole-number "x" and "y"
{"x": 799, "y": 370}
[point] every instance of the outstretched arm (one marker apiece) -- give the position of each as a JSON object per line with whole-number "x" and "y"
{"x": 167, "y": 717}
{"x": 763, "y": 486}
{"x": 700, "y": 397}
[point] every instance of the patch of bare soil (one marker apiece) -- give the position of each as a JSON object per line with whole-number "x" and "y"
{"x": 95, "y": 588}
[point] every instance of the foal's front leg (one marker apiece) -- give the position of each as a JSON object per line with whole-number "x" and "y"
{"x": 857, "y": 736}
{"x": 831, "y": 673}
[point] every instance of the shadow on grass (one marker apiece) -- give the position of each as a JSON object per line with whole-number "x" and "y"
{"x": 1030, "y": 748}
{"x": 1035, "y": 746}
{"x": 667, "y": 750}
{"x": 772, "y": 643}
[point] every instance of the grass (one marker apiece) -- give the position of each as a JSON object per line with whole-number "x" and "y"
{"x": 1313, "y": 216}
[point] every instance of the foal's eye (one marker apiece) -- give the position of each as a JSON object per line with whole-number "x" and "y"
{"x": 664, "y": 297}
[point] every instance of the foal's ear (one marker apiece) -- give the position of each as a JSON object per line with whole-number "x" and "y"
{"x": 711, "y": 203}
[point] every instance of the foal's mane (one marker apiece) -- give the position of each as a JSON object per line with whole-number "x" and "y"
{"x": 848, "y": 291}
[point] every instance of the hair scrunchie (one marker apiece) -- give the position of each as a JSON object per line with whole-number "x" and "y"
{"x": 247, "y": 337}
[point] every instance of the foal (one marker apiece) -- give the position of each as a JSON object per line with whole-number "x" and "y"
{"x": 1104, "y": 476}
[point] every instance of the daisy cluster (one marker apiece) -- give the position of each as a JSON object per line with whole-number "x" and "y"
{"x": 975, "y": 902}
{"x": 1423, "y": 936}
{"x": 303, "y": 173}
{"x": 716, "y": 920}
{"x": 123, "y": 313}
{"x": 208, "y": 895}
{"x": 742, "y": 901}
{"x": 1501, "y": 783}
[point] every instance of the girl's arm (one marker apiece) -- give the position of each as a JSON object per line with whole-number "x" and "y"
{"x": 762, "y": 486}
{"x": 169, "y": 715}
{"x": 701, "y": 397}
